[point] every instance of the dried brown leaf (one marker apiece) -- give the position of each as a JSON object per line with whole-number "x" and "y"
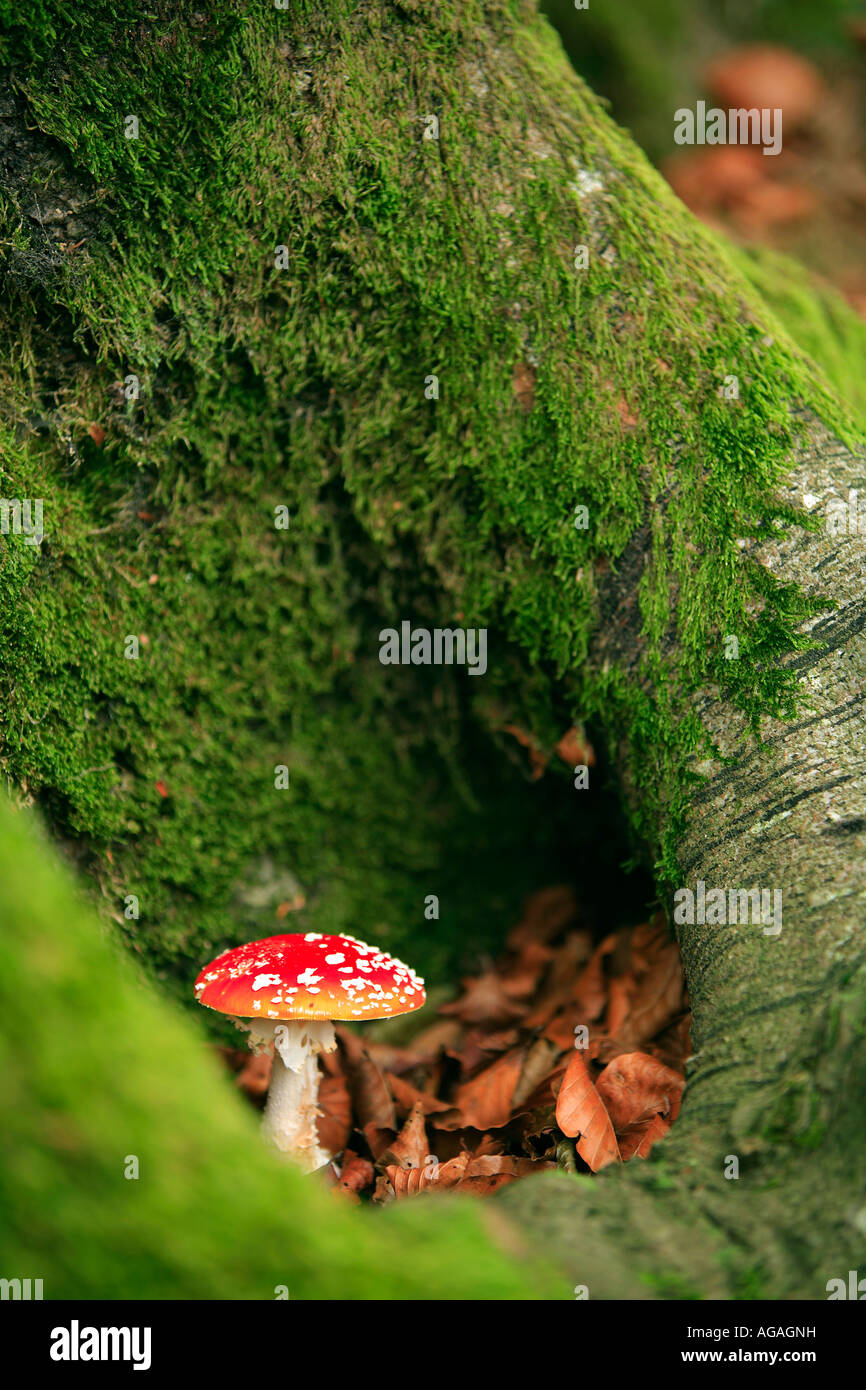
{"x": 406, "y": 1095}
{"x": 254, "y": 1076}
{"x": 485, "y": 1001}
{"x": 537, "y": 1065}
{"x": 334, "y": 1124}
{"x": 408, "y": 1181}
{"x": 637, "y": 1140}
{"x": 545, "y": 914}
{"x": 411, "y": 1147}
{"x": 619, "y": 1002}
{"x": 581, "y": 1114}
{"x": 356, "y": 1173}
{"x": 371, "y": 1098}
{"x": 432, "y": 1040}
{"x": 635, "y": 1086}
{"x": 657, "y": 999}
{"x": 485, "y": 1102}
{"x": 591, "y": 989}
{"x": 559, "y": 987}
{"x": 486, "y": 1174}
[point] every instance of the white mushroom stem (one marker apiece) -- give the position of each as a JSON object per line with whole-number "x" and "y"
{"x": 289, "y": 1121}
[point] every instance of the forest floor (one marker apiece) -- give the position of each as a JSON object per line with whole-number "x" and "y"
{"x": 565, "y": 1051}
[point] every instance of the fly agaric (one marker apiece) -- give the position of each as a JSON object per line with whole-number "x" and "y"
{"x": 287, "y": 990}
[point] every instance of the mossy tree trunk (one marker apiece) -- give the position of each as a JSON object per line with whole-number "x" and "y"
{"x": 759, "y": 1190}
{"x": 455, "y": 206}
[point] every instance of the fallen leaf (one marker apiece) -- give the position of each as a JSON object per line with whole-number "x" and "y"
{"x": 581, "y": 1114}
{"x": 635, "y": 1086}
{"x": 591, "y": 989}
{"x": 407, "y": 1096}
{"x": 389, "y": 1057}
{"x": 485, "y": 1101}
{"x": 484, "y": 1001}
{"x": 637, "y": 1141}
{"x": 334, "y": 1124}
{"x": 432, "y": 1039}
{"x": 547, "y": 1089}
{"x": 560, "y": 1029}
{"x": 499, "y": 1042}
{"x": 356, "y": 1173}
{"x": 488, "y": 1144}
{"x": 520, "y": 977}
{"x": 657, "y": 998}
{"x": 411, "y": 1147}
{"x": 407, "y": 1181}
{"x": 545, "y": 914}
{"x": 369, "y": 1090}
{"x": 537, "y": 1064}
{"x": 254, "y": 1076}
{"x": 674, "y": 1045}
{"x": 383, "y": 1192}
{"x": 379, "y": 1138}
{"x": 489, "y": 1172}
{"x": 559, "y": 985}
{"x": 619, "y": 1003}
{"x": 537, "y": 1128}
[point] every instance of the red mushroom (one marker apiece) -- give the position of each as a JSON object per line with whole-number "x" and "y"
{"x": 288, "y": 989}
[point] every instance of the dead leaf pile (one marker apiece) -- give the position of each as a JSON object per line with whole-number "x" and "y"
{"x": 563, "y": 1038}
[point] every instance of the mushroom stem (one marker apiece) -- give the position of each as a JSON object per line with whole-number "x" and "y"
{"x": 289, "y": 1121}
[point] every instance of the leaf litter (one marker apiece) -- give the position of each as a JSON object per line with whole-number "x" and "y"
{"x": 564, "y": 1041}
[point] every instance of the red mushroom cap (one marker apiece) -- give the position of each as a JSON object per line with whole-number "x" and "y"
{"x": 310, "y": 976}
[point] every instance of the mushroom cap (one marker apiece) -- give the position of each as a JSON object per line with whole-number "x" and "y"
{"x": 309, "y": 976}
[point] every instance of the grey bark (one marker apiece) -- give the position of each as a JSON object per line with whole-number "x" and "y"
{"x": 779, "y": 1065}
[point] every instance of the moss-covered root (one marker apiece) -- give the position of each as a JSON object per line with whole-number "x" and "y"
{"x": 131, "y": 1169}
{"x": 386, "y": 273}
{"x": 759, "y": 1191}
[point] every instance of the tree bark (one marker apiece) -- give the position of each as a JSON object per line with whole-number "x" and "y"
{"x": 779, "y": 1056}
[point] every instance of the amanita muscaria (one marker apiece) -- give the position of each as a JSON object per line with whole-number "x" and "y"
{"x": 287, "y": 990}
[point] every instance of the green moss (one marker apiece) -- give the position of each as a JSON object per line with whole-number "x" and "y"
{"x": 305, "y": 387}
{"x": 816, "y": 317}
{"x": 750, "y": 1283}
{"x": 670, "y": 1286}
{"x": 96, "y": 1070}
